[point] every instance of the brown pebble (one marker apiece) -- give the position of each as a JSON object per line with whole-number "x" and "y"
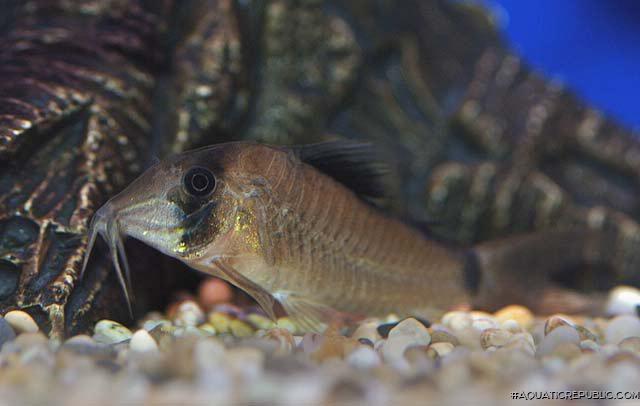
{"x": 214, "y": 291}
{"x": 21, "y": 322}
{"x": 334, "y": 346}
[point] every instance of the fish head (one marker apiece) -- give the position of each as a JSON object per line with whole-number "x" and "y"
{"x": 185, "y": 207}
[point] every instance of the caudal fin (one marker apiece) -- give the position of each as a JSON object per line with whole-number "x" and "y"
{"x": 518, "y": 269}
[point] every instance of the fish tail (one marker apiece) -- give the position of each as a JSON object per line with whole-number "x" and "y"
{"x": 519, "y": 269}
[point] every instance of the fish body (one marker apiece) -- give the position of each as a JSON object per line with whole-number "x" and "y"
{"x": 296, "y": 225}
{"x": 277, "y": 227}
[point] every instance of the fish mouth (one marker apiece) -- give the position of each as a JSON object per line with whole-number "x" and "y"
{"x": 105, "y": 223}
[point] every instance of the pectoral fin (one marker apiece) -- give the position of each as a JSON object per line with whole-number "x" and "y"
{"x": 309, "y": 315}
{"x": 264, "y": 298}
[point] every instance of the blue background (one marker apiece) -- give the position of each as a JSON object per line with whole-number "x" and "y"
{"x": 593, "y": 46}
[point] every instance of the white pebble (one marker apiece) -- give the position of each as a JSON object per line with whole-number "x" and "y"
{"x": 623, "y": 300}
{"x": 457, "y": 320}
{"x": 493, "y": 337}
{"x": 363, "y": 357}
{"x": 483, "y": 323}
{"x": 21, "y": 322}
{"x": 141, "y": 341}
{"x": 622, "y": 327}
{"x": 189, "y": 314}
{"x": 559, "y": 335}
{"x": 407, "y": 333}
{"x": 368, "y": 330}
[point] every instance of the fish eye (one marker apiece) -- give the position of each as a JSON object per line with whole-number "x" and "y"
{"x": 199, "y": 182}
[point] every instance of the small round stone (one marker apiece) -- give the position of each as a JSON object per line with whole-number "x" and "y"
{"x": 110, "y": 332}
{"x": 483, "y": 323}
{"x": 141, "y": 341}
{"x": 240, "y": 329}
{"x": 188, "y": 313}
{"x": 493, "y": 337}
{"x": 21, "y": 322}
{"x": 623, "y": 300}
{"x": 220, "y": 321}
{"x": 363, "y": 358}
{"x": 413, "y": 329}
{"x": 457, "y": 320}
{"x": 559, "y": 335}
{"x": 214, "y": 291}
{"x": 368, "y": 330}
{"x": 520, "y": 314}
{"x": 409, "y": 332}
{"x": 622, "y": 327}
{"x": 334, "y": 346}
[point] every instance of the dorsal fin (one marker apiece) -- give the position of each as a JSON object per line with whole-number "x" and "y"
{"x": 356, "y": 165}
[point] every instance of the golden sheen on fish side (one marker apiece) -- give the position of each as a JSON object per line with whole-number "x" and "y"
{"x": 277, "y": 227}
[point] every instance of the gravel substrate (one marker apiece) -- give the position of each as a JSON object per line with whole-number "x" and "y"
{"x": 205, "y": 352}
